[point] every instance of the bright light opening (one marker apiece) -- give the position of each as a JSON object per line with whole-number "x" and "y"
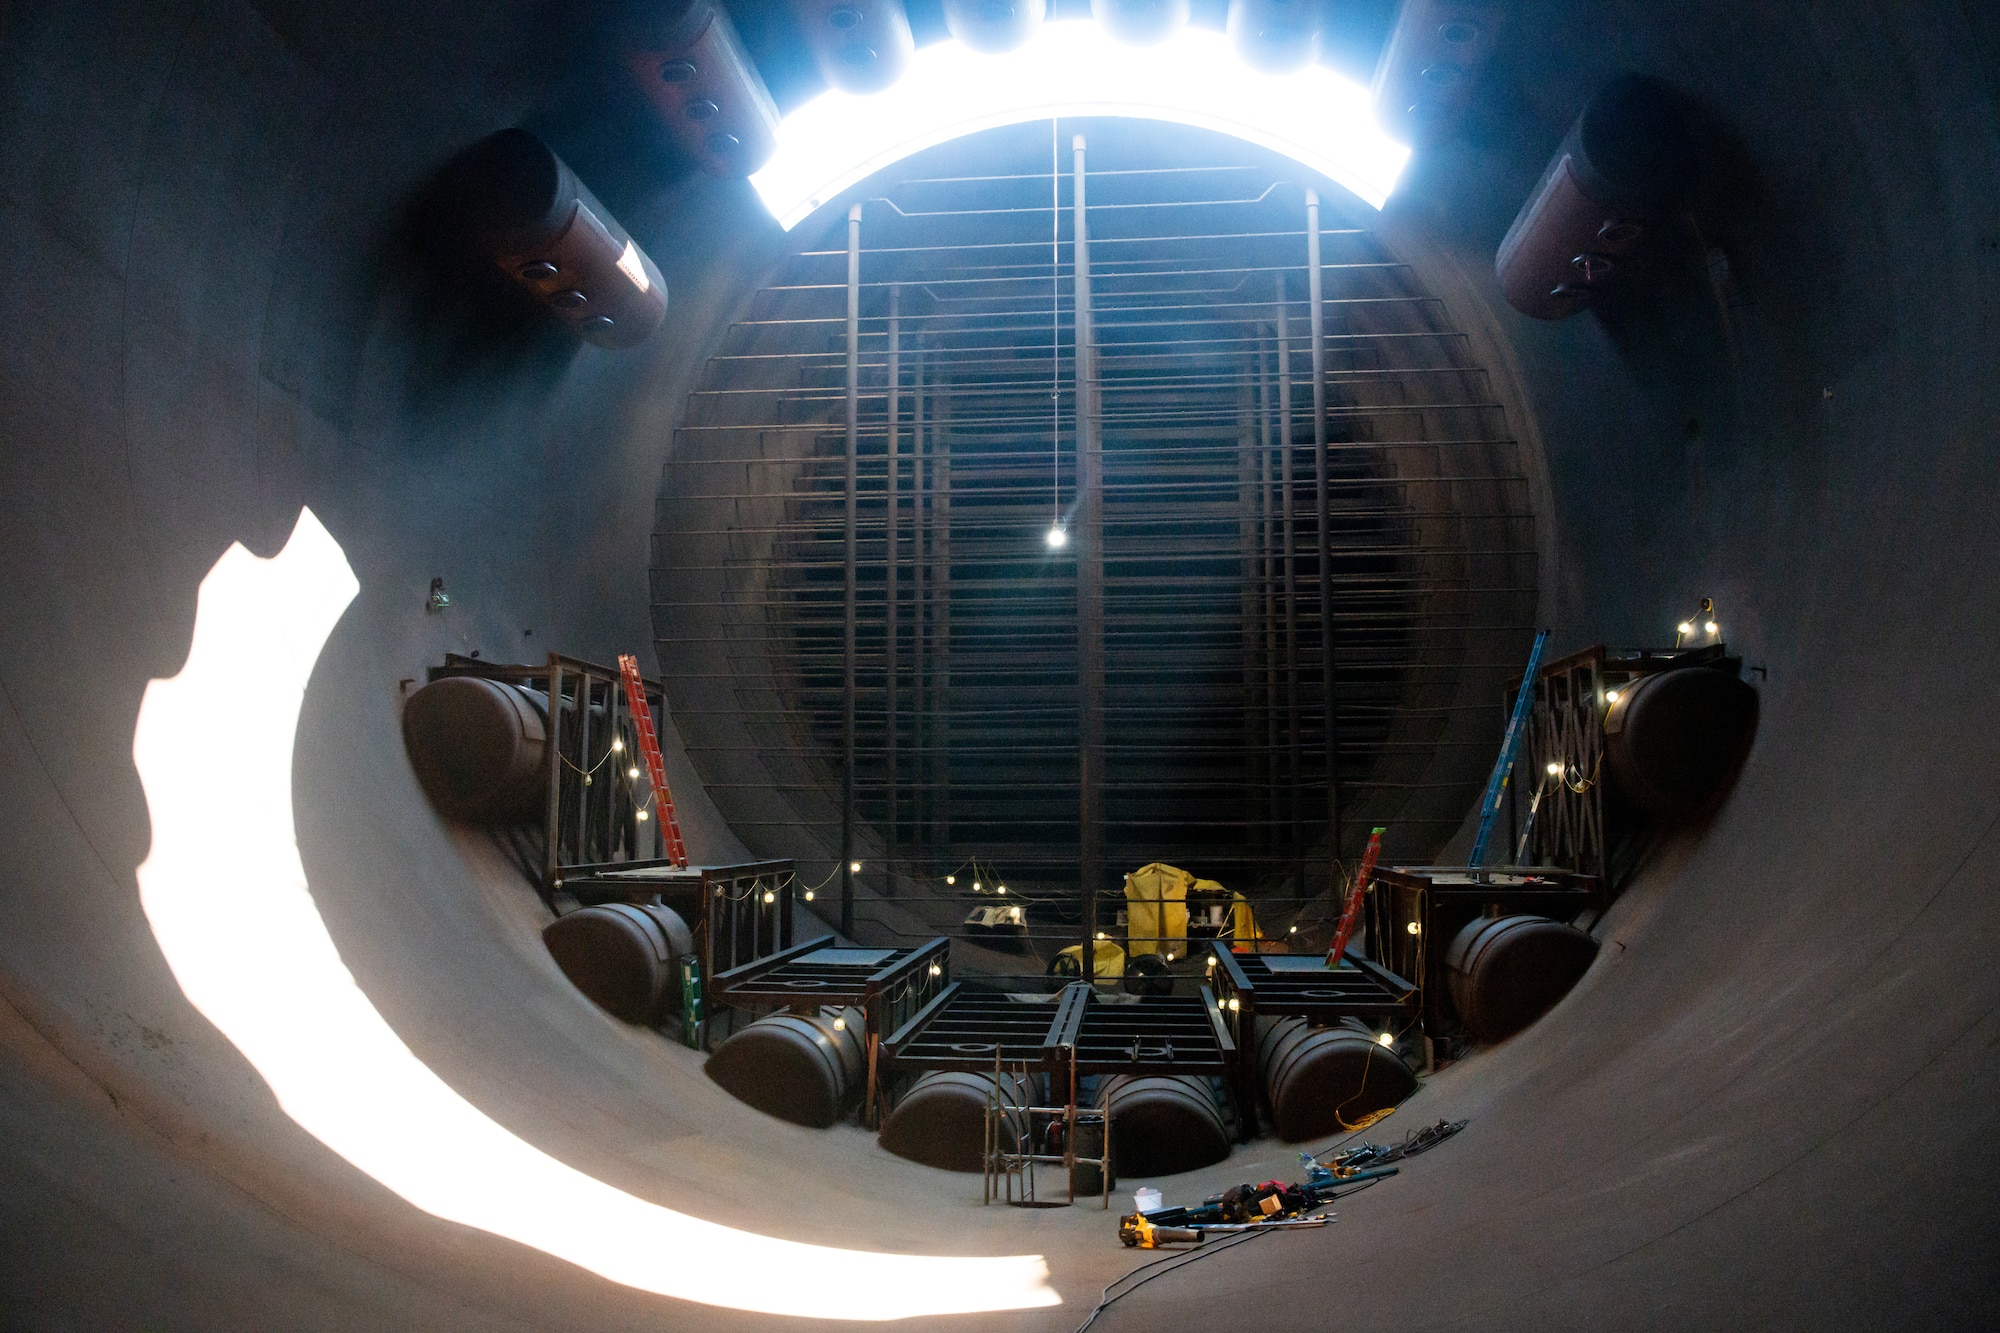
{"x": 246, "y": 942}
{"x": 1074, "y": 68}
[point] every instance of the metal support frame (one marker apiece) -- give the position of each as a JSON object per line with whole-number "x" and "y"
{"x": 848, "y": 663}
{"x": 892, "y": 590}
{"x": 1089, "y": 584}
{"x": 1330, "y": 695}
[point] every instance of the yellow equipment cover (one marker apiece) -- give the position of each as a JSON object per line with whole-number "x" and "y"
{"x": 1156, "y": 917}
{"x": 1110, "y": 960}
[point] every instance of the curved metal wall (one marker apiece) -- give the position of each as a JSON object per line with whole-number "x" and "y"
{"x": 1770, "y": 1105}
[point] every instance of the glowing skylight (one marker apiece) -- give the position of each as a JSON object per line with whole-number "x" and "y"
{"x": 1074, "y": 68}
{"x": 226, "y": 894}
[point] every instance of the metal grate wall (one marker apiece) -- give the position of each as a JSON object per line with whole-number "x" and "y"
{"x": 980, "y": 697}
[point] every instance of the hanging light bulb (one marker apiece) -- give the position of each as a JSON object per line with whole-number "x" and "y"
{"x": 1712, "y": 627}
{"x": 1555, "y": 769}
{"x": 770, "y": 896}
{"x": 853, "y": 867}
{"x": 617, "y": 744}
{"x": 936, "y": 971}
{"x": 976, "y": 888}
{"x": 1611, "y": 696}
{"x": 951, "y": 879}
{"x": 641, "y": 816}
{"x": 1685, "y": 627}
{"x": 1000, "y": 888}
{"x": 1058, "y": 538}
{"x": 1387, "y": 1039}
{"x": 809, "y": 895}
{"x": 1416, "y": 928}
{"x": 840, "y": 1025}
{"x": 633, "y": 772}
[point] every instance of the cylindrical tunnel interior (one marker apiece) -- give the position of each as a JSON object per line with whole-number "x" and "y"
{"x": 1768, "y": 1104}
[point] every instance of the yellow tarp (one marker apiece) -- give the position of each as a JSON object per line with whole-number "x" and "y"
{"x": 1156, "y": 916}
{"x": 1110, "y": 960}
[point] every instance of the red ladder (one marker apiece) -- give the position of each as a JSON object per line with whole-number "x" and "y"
{"x": 1355, "y": 892}
{"x": 649, "y": 746}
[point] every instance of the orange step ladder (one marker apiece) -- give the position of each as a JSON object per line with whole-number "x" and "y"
{"x": 649, "y": 746}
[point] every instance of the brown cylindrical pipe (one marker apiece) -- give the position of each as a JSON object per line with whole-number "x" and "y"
{"x": 805, "y": 1068}
{"x": 860, "y": 46}
{"x": 1141, "y": 22}
{"x": 994, "y": 25}
{"x": 1505, "y": 972}
{"x": 693, "y": 69}
{"x": 1673, "y": 739}
{"x": 620, "y": 955}
{"x": 1429, "y": 67}
{"x": 530, "y": 215}
{"x": 1614, "y": 177}
{"x": 1275, "y": 35}
{"x": 941, "y": 1120}
{"x": 478, "y": 747}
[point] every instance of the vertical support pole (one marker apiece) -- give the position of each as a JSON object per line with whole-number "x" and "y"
{"x": 1315, "y": 301}
{"x": 853, "y": 463}
{"x": 552, "y": 816}
{"x": 1089, "y": 585}
{"x": 941, "y": 701}
{"x": 1250, "y": 633}
{"x": 892, "y": 580}
{"x": 1289, "y": 550}
{"x": 1267, "y": 543}
{"x": 919, "y": 608}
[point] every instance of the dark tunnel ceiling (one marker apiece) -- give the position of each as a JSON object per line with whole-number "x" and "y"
{"x": 1214, "y": 755}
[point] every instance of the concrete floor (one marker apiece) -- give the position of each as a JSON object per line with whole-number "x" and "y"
{"x": 1769, "y": 1106}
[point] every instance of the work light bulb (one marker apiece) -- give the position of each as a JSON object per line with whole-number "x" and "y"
{"x": 936, "y": 971}
{"x": 1386, "y": 1039}
{"x": 951, "y": 879}
{"x": 617, "y": 744}
{"x": 840, "y": 1025}
{"x": 1100, "y": 934}
{"x": 1416, "y": 929}
{"x": 1234, "y": 1004}
{"x": 641, "y": 816}
{"x": 853, "y": 867}
{"x": 1555, "y": 769}
{"x": 1000, "y": 888}
{"x": 1611, "y": 696}
{"x": 1685, "y": 627}
{"x": 1293, "y": 931}
{"x": 1711, "y": 627}
{"x": 809, "y": 895}
{"x": 633, "y": 772}
{"x": 976, "y": 888}
{"x": 1058, "y": 538}
{"x": 769, "y": 896}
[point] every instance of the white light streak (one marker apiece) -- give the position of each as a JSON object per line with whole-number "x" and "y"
{"x": 247, "y": 944}
{"x": 1074, "y": 68}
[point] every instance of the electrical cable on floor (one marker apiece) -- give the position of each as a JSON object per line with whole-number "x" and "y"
{"x": 1108, "y": 1297}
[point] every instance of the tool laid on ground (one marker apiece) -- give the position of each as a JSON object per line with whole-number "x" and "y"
{"x": 1139, "y": 1233}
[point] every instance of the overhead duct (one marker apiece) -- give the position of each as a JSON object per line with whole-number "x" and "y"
{"x": 694, "y": 71}
{"x": 860, "y": 46}
{"x": 1620, "y": 166}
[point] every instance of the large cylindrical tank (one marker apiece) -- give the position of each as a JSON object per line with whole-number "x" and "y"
{"x": 480, "y": 748}
{"x": 1322, "y": 1080}
{"x": 1275, "y": 35}
{"x": 994, "y": 25}
{"x": 860, "y": 46}
{"x": 809, "y": 1069}
{"x": 1431, "y": 62}
{"x": 1673, "y": 739}
{"x": 1505, "y": 972}
{"x": 1141, "y": 22}
{"x": 526, "y": 211}
{"x": 1618, "y": 170}
{"x": 621, "y": 955}
{"x": 941, "y": 1120}
{"x": 1164, "y": 1124}
{"x": 690, "y": 64}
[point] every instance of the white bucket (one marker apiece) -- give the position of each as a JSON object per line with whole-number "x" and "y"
{"x": 1146, "y": 1200}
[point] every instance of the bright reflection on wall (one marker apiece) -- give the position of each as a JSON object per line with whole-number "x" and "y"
{"x": 226, "y": 894}
{"x": 1313, "y": 116}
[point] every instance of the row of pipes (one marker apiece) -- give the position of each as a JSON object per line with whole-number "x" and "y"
{"x": 695, "y": 72}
